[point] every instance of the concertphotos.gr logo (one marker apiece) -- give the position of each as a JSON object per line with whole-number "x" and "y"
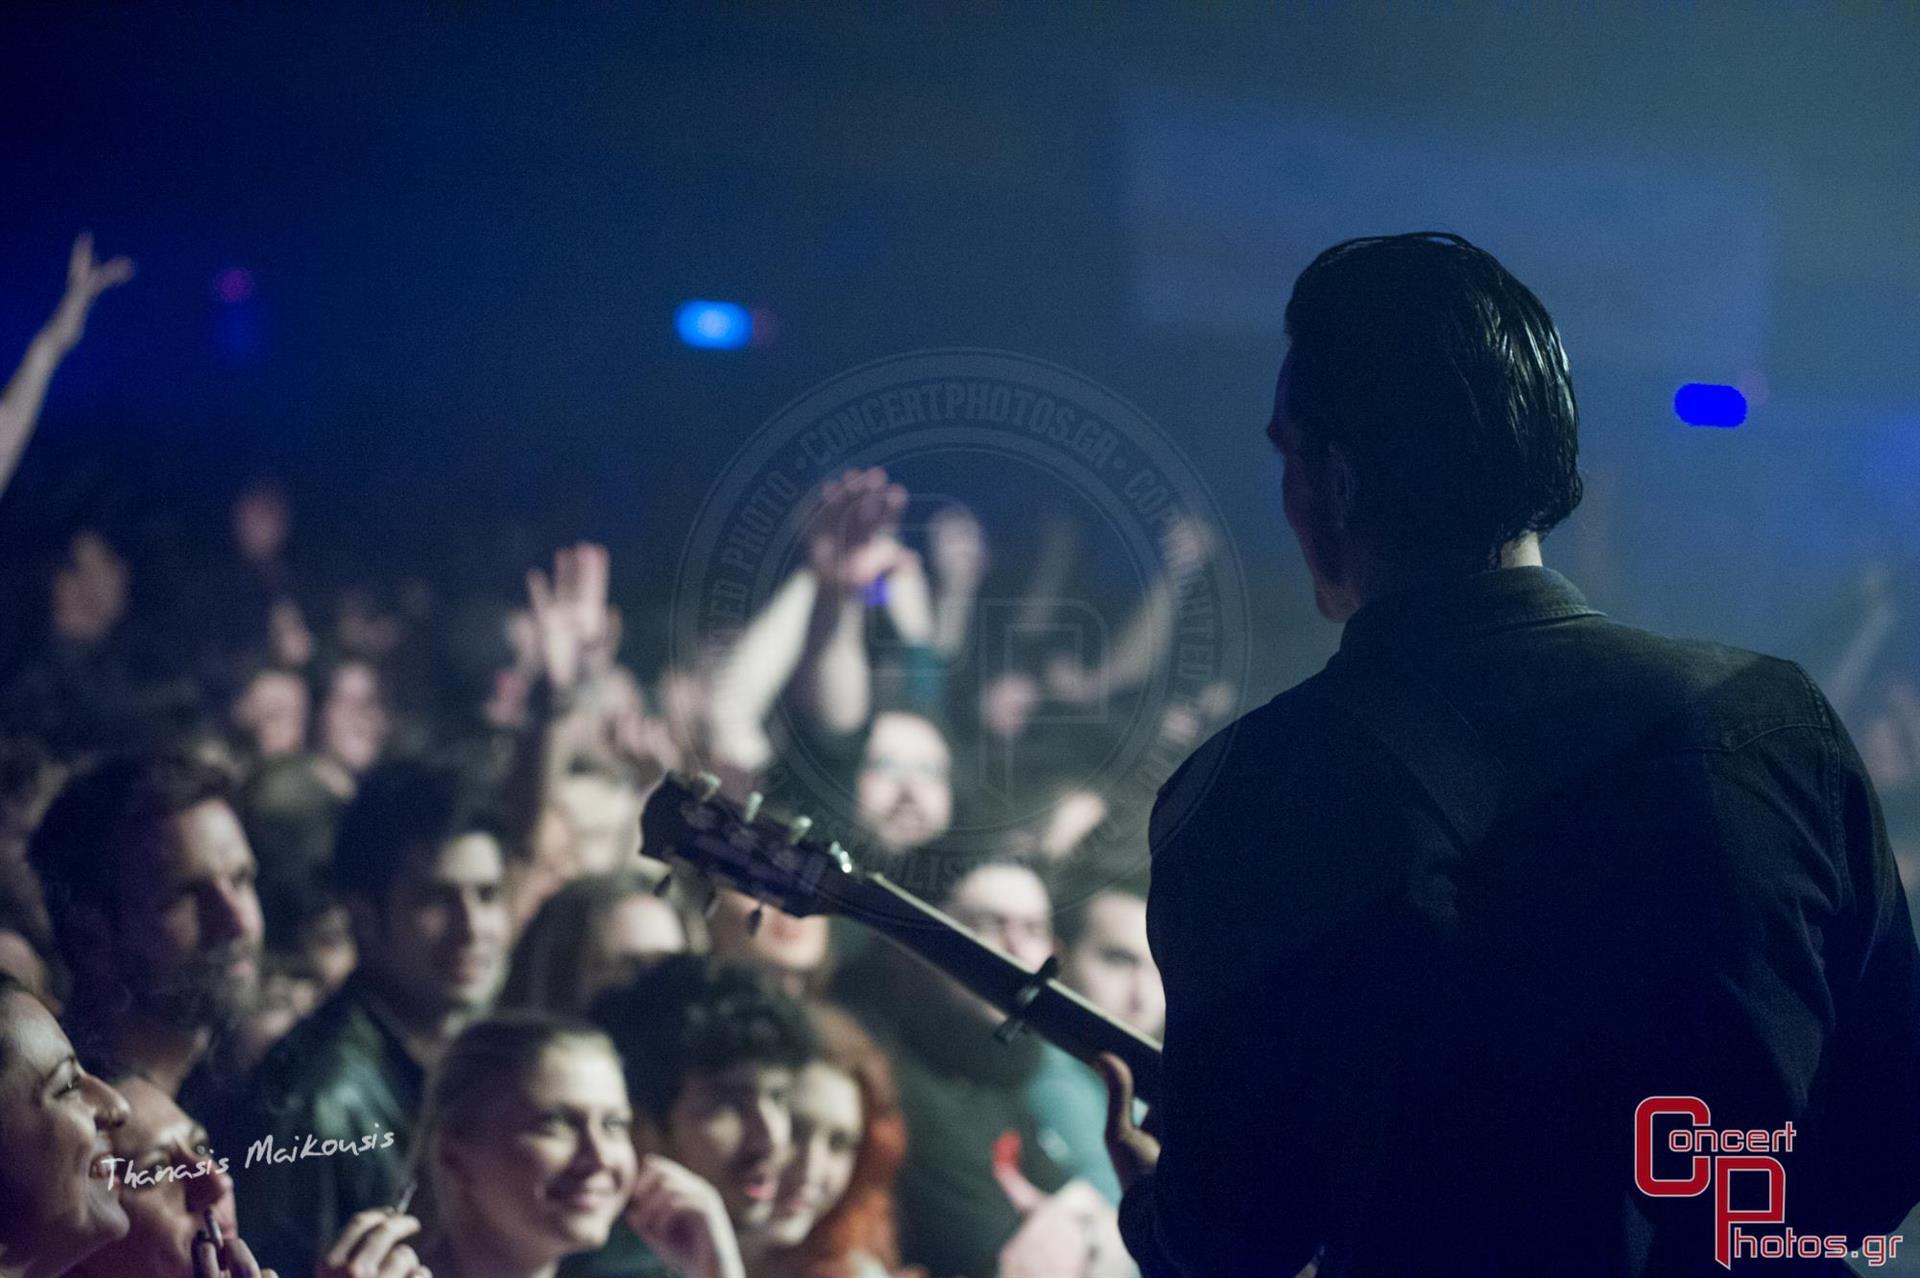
{"x": 1112, "y": 642}
{"x": 1715, "y": 1157}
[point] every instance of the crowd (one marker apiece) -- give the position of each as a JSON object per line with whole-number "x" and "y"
{"x": 329, "y": 943}
{"x": 331, "y": 946}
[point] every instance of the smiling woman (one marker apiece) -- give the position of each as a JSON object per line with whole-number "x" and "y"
{"x": 525, "y": 1146}
{"x": 169, "y": 1180}
{"x": 56, "y": 1207}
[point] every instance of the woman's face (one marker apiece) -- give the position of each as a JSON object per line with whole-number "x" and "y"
{"x": 353, "y": 718}
{"x": 788, "y": 948}
{"x": 56, "y": 1207}
{"x": 549, "y": 1167}
{"x": 167, "y": 1178}
{"x": 827, "y": 1129}
{"x": 274, "y": 712}
{"x": 638, "y": 931}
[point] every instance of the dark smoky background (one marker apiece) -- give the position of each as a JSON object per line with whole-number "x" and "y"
{"x": 423, "y": 262}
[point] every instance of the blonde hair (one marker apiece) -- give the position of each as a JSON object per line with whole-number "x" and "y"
{"x": 501, "y": 1051}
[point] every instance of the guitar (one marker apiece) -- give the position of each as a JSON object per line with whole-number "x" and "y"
{"x": 775, "y": 861}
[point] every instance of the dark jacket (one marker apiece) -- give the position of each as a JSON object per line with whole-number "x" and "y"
{"x": 1429, "y": 1059}
{"x": 341, "y": 1075}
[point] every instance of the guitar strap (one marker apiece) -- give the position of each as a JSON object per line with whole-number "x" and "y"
{"x": 1425, "y": 733}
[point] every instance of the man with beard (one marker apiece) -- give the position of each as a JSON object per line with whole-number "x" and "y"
{"x": 418, "y": 860}
{"x": 904, "y": 790}
{"x": 149, "y": 882}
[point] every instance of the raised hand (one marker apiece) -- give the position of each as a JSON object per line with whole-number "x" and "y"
{"x": 1070, "y": 681}
{"x": 89, "y": 590}
{"x": 682, "y": 1218}
{"x": 577, "y": 631}
{"x": 638, "y": 735}
{"x": 853, "y": 541}
{"x": 1185, "y": 545}
{"x": 87, "y": 279}
{"x": 1056, "y": 1236}
{"x": 957, "y": 547}
{"x": 287, "y": 634}
{"x": 909, "y": 601}
{"x": 372, "y": 1246}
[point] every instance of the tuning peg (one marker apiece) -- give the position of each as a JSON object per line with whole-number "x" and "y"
{"x": 840, "y": 856}
{"x": 797, "y": 829}
{"x": 709, "y": 785}
{"x": 751, "y": 808}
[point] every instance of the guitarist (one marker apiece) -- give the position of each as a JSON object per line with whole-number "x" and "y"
{"x": 1434, "y": 922}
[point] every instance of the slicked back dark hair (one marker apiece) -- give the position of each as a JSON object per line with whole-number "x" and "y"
{"x": 118, "y": 803}
{"x": 404, "y": 806}
{"x": 689, "y": 1014}
{"x": 1443, "y": 378}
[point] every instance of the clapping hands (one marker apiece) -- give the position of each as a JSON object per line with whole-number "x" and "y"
{"x": 854, "y": 539}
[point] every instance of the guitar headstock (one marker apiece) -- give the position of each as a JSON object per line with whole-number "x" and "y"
{"x": 742, "y": 846}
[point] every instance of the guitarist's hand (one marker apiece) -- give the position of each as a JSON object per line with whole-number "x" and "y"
{"x": 1134, "y": 1153}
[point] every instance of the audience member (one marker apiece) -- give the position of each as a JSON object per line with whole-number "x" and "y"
{"x": 793, "y": 952}
{"x": 351, "y": 723}
{"x": 419, "y": 861}
{"x": 982, "y": 1178}
{"x": 87, "y": 279}
{"x": 766, "y": 1141}
{"x": 592, "y": 935}
{"x": 56, "y": 1207}
{"x": 270, "y": 713}
{"x": 833, "y": 1216}
{"x": 1100, "y": 930}
{"x": 168, "y": 1177}
{"x": 149, "y": 882}
{"x": 525, "y": 1150}
{"x": 711, "y": 1053}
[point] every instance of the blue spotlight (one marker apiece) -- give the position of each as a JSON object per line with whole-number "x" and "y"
{"x": 713, "y": 326}
{"x": 1703, "y": 404}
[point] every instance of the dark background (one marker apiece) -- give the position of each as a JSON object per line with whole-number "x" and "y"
{"x": 468, "y": 228}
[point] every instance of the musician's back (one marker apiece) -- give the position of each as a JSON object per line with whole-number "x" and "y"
{"x": 1430, "y": 1059}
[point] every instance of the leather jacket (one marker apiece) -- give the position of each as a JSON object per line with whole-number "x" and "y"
{"x": 325, "y": 1130}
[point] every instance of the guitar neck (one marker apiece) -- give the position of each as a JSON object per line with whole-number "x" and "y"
{"x": 742, "y": 847}
{"x": 1044, "y": 1005}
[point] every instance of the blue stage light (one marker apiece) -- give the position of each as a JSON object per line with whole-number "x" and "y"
{"x": 1704, "y": 404}
{"x": 713, "y": 326}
